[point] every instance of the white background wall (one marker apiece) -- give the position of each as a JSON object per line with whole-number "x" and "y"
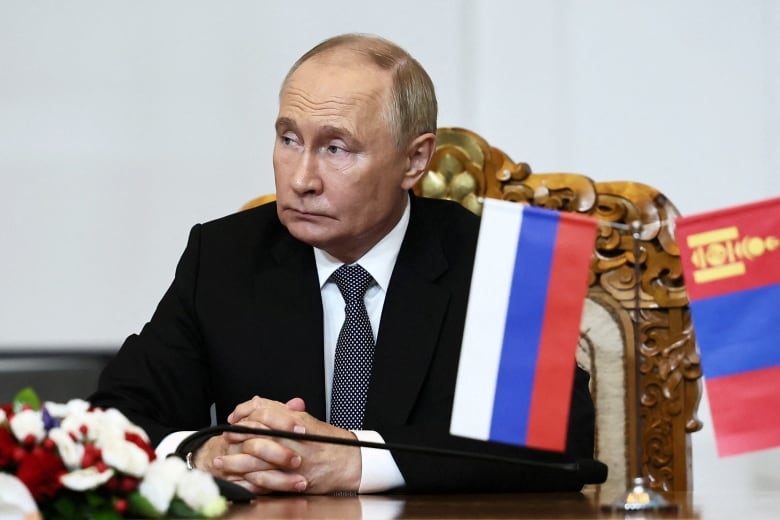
{"x": 122, "y": 123}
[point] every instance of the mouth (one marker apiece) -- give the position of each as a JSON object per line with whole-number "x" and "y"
{"x": 305, "y": 214}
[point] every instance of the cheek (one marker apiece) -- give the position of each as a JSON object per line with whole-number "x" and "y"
{"x": 276, "y": 163}
{"x": 281, "y": 167}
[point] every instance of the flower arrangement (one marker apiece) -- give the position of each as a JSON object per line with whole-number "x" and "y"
{"x": 79, "y": 461}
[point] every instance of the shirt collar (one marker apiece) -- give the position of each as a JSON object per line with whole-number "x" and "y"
{"x": 379, "y": 261}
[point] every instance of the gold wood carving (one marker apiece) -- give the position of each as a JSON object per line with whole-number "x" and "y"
{"x": 466, "y": 169}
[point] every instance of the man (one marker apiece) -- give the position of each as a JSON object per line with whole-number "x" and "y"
{"x": 251, "y": 321}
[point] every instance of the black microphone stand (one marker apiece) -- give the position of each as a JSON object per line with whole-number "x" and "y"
{"x": 639, "y": 497}
{"x": 590, "y": 471}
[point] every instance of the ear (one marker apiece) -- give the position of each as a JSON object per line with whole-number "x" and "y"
{"x": 419, "y": 154}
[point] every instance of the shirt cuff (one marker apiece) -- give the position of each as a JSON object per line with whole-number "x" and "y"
{"x": 169, "y": 443}
{"x": 379, "y": 470}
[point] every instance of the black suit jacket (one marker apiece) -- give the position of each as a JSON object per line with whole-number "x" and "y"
{"x": 243, "y": 317}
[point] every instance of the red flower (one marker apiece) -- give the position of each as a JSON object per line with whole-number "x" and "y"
{"x": 141, "y": 443}
{"x": 40, "y": 471}
{"x": 7, "y": 446}
{"x": 129, "y": 484}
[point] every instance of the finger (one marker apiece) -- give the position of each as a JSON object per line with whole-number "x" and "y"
{"x": 272, "y": 417}
{"x": 296, "y": 404}
{"x": 269, "y": 414}
{"x": 239, "y": 465}
{"x": 249, "y": 486}
{"x": 272, "y": 452}
{"x": 276, "y": 480}
{"x": 235, "y": 437}
{"x": 257, "y": 455}
{"x": 243, "y": 409}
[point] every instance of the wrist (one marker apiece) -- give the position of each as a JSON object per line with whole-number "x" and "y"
{"x": 353, "y": 476}
{"x": 189, "y": 449}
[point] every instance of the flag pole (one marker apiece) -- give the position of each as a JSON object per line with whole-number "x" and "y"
{"x": 639, "y": 496}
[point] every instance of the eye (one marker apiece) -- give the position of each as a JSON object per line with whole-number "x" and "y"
{"x": 334, "y": 149}
{"x": 288, "y": 139}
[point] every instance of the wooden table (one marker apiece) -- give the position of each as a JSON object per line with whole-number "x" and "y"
{"x": 752, "y": 505}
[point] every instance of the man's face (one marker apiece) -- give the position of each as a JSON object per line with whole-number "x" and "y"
{"x": 340, "y": 178}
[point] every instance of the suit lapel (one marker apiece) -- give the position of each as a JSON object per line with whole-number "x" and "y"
{"x": 411, "y": 319}
{"x": 288, "y": 299}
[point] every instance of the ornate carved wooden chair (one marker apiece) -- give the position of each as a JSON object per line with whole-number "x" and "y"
{"x": 618, "y": 318}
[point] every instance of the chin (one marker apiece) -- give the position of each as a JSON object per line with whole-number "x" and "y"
{"x": 307, "y": 232}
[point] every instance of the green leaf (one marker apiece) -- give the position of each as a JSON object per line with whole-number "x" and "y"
{"x": 179, "y": 509}
{"x": 138, "y": 505}
{"x": 95, "y": 500}
{"x": 71, "y": 505}
{"x": 26, "y": 396}
{"x": 103, "y": 514}
{"x": 62, "y": 507}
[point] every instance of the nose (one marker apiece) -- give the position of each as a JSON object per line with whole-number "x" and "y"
{"x": 306, "y": 177}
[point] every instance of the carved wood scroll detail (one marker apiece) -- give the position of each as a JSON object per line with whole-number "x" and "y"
{"x": 466, "y": 169}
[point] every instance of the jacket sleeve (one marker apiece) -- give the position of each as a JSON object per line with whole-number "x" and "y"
{"x": 524, "y": 470}
{"x": 159, "y": 378}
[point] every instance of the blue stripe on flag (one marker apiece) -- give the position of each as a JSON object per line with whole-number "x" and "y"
{"x": 738, "y": 332}
{"x": 524, "y": 320}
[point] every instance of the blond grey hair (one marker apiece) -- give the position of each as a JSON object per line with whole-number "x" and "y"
{"x": 412, "y": 106}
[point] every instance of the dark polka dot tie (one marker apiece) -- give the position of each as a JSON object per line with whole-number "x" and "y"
{"x": 354, "y": 350}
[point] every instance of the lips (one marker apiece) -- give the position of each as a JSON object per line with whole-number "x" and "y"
{"x": 304, "y": 214}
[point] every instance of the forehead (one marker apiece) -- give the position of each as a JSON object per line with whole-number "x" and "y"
{"x": 336, "y": 83}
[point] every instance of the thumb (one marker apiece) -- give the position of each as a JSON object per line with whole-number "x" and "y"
{"x": 296, "y": 404}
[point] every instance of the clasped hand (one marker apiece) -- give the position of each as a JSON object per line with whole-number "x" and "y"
{"x": 265, "y": 464}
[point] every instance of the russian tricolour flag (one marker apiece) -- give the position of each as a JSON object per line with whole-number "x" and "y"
{"x": 731, "y": 263}
{"x": 522, "y": 326}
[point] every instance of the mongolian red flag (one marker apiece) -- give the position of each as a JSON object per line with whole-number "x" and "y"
{"x": 731, "y": 263}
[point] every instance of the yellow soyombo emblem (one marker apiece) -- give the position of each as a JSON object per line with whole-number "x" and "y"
{"x": 721, "y": 253}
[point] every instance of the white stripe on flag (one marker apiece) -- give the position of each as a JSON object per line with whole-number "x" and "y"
{"x": 483, "y": 334}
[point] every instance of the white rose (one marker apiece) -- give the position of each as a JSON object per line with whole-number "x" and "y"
{"x": 77, "y": 419}
{"x": 72, "y": 424}
{"x": 15, "y": 499}
{"x": 197, "y": 489}
{"x": 28, "y": 422}
{"x": 116, "y": 418}
{"x": 159, "y": 484}
{"x": 216, "y": 508}
{"x": 123, "y": 456}
{"x": 99, "y": 426}
{"x": 102, "y": 426}
{"x": 56, "y": 410}
{"x": 77, "y": 406}
{"x": 74, "y": 406}
{"x": 111, "y": 422}
{"x": 87, "y": 478}
{"x": 3, "y": 417}
{"x": 70, "y": 451}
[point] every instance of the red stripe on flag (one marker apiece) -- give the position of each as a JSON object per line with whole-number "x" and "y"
{"x": 744, "y": 410}
{"x": 554, "y": 376}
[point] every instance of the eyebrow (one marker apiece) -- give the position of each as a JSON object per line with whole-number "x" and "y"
{"x": 339, "y": 132}
{"x": 284, "y": 123}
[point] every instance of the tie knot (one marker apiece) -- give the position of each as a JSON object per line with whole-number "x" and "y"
{"x": 352, "y": 281}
